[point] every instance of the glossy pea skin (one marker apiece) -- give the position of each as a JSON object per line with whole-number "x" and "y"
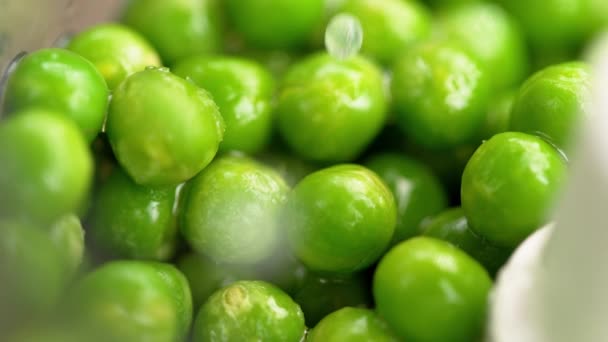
{"x": 46, "y": 166}
{"x": 290, "y": 167}
{"x": 340, "y": 219}
{"x": 231, "y": 210}
{"x": 33, "y": 273}
{"x": 498, "y": 114}
{"x": 132, "y": 301}
{"x": 389, "y": 26}
{"x": 177, "y": 28}
{"x": 330, "y": 110}
{"x": 428, "y": 290}
{"x": 553, "y": 102}
{"x": 243, "y": 91}
{"x": 319, "y": 295}
{"x": 351, "y": 324}
{"x": 509, "y": 186}
{"x": 439, "y": 94}
{"x": 62, "y": 81}
{"x": 249, "y": 310}
{"x": 133, "y": 221}
{"x": 68, "y": 236}
{"x": 116, "y": 50}
{"x": 451, "y": 225}
{"x": 278, "y": 24}
{"x": 418, "y": 193}
{"x": 163, "y": 129}
{"x": 492, "y": 36}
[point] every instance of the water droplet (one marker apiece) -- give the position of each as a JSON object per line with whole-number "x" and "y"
{"x": 343, "y": 36}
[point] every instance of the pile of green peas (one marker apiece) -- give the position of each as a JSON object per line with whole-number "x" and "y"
{"x": 203, "y": 170}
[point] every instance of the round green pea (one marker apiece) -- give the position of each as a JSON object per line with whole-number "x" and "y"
{"x": 249, "y": 310}
{"x": 243, "y": 91}
{"x": 290, "y": 167}
{"x": 340, "y": 219}
{"x": 389, "y": 26}
{"x": 351, "y": 324}
{"x": 510, "y": 185}
{"x": 553, "y": 103}
{"x": 319, "y": 295}
{"x": 330, "y": 110}
{"x": 418, "y": 193}
{"x": 46, "y": 166}
{"x": 498, "y": 114}
{"x": 231, "y": 211}
{"x": 163, "y": 129}
{"x": 132, "y": 301}
{"x": 116, "y": 50}
{"x": 177, "y": 28}
{"x": 68, "y": 236}
{"x": 133, "y": 221}
{"x": 61, "y": 81}
{"x": 492, "y": 36}
{"x": 278, "y": 24}
{"x": 428, "y": 290}
{"x": 440, "y": 94}
{"x": 452, "y": 226}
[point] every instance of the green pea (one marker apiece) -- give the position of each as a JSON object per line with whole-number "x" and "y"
{"x": 177, "y": 28}
{"x": 389, "y": 26}
{"x": 340, "y": 219}
{"x": 33, "y": 273}
{"x": 290, "y": 167}
{"x": 249, "y": 310}
{"x": 279, "y": 24}
{"x": 439, "y": 93}
{"x": 163, "y": 129}
{"x": 418, "y": 193}
{"x": 133, "y": 221}
{"x": 116, "y": 50}
{"x": 492, "y": 36}
{"x": 352, "y": 324}
{"x": 330, "y": 110}
{"x": 231, "y": 210}
{"x": 452, "y": 226}
{"x": 553, "y": 103}
{"x": 319, "y": 295}
{"x": 46, "y": 166}
{"x": 61, "y": 81}
{"x": 243, "y": 91}
{"x": 498, "y": 114}
{"x": 428, "y": 290}
{"x": 510, "y": 185}
{"x": 68, "y": 236}
{"x": 132, "y": 301}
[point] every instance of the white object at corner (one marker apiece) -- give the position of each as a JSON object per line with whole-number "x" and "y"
{"x": 555, "y": 287}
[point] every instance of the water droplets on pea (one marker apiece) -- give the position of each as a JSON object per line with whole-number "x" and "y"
{"x": 343, "y": 36}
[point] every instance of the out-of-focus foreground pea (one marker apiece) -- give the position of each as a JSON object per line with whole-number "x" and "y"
{"x": 116, "y": 50}
{"x": 46, "y": 166}
{"x": 452, "y": 226}
{"x": 177, "y": 28}
{"x": 243, "y": 91}
{"x": 231, "y": 210}
{"x": 249, "y": 310}
{"x": 279, "y": 24}
{"x": 33, "y": 273}
{"x": 490, "y": 34}
{"x": 133, "y": 221}
{"x": 319, "y": 295}
{"x": 340, "y": 219}
{"x": 330, "y": 110}
{"x": 353, "y": 325}
{"x": 553, "y": 103}
{"x": 163, "y": 129}
{"x": 428, "y": 290}
{"x": 132, "y": 301}
{"x": 61, "y": 81}
{"x": 440, "y": 93}
{"x": 389, "y": 26}
{"x": 510, "y": 185}
{"x": 417, "y": 191}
